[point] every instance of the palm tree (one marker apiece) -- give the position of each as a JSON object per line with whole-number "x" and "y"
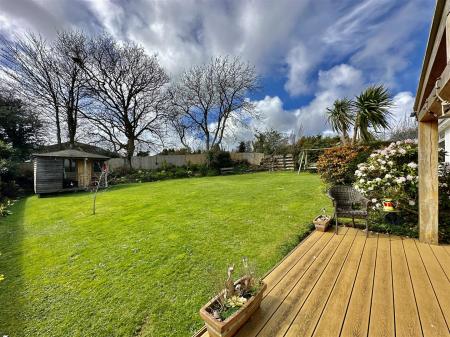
{"x": 340, "y": 117}
{"x": 372, "y": 112}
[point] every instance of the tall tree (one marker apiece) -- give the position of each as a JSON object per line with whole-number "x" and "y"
{"x": 71, "y": 81}
{"x": 47, "y": 76}
{"x": 340, "y": 117}
{"x": 371, "y": 112}
{"x": 128, "y": 87}
{"x": 28, "y": 62}
{"x": 208, "y": 98}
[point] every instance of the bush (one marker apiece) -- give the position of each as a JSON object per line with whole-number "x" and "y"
{"x": 9, "y": 190}
{"x": 219, "y": 159}
{"x": 336, "y": 166}
{"x": 392, "y": 173}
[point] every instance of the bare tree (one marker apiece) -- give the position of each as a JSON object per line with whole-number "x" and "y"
{"x": 70, "y": 78}
{"x": 207, "y": 98}
{"x": 128, "y": 88}
{"x": 47, "y": 76}
{"x": 406, "y": 128}
{"x": 28, "y": 63}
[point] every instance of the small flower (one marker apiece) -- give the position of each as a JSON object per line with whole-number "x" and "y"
{"x": 411, "y": 202}
{"x": 374, "y": 200}
{"x": 412, "y": 165}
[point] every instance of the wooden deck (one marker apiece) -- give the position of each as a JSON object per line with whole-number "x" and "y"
{"x": 347, "y": 285}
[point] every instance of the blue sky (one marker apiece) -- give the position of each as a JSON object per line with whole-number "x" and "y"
{"x": 308, "y": 52}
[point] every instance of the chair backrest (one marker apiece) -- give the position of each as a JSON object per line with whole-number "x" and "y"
{"x": 344, "y": 195}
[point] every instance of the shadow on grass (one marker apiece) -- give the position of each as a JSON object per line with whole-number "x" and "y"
{"x": 11, "y": 266}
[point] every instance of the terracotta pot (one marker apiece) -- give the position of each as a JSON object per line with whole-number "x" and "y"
{"x": 321, "y": 224}
{"x": 231, "y": 325}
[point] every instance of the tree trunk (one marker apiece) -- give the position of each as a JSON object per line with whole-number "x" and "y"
{"x": 71, "y": 126}
{"x": 58, "y": 126}
{"x": 130, "y": 150}
{"x": 355, "y": 129}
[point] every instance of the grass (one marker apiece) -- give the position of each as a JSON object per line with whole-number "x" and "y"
{"x": 150, "y": 257}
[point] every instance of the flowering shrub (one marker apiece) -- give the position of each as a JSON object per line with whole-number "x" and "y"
{"x": 337, "y": 165}
{"x": 390, "y": 173}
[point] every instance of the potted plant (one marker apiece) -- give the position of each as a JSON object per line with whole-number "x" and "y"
{"x": 233, "y": 306}
{"x": 322, "y": 221}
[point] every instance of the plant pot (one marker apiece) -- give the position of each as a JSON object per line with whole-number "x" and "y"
{"x": 231, "y": 325}
{"x": 388, "y": 205}
{"x": 321, "y": 223}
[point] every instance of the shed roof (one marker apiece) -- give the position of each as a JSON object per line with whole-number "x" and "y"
{"x": 71, "y": 153}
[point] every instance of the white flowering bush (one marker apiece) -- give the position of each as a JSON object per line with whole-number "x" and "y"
{"x": 390, "y": 173}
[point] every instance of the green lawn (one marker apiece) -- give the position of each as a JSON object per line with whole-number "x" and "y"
{"x": 149, "y": 258}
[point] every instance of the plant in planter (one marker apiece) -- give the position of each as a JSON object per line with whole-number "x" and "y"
{"x": 322, "y": 221}
{"x": 234, "y": 305}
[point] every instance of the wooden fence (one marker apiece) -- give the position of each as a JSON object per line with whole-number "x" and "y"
{"x": 154, "y": 162}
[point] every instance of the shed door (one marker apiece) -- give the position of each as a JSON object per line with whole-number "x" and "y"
{"x": 84, "y": 168}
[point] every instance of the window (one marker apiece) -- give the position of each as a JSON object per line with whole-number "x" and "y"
{"x": 70, "y": 165}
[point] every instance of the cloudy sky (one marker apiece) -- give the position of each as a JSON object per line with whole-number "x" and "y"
{"x": 308, "y": 52}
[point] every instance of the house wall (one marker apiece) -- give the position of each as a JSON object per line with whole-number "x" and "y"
{"x": 155, "y": 162}
{"x": 444, "y": 138}
{"x": 48, "y": 175}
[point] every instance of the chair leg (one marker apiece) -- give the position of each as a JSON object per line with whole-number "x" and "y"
{"x": 335, "y": 219}
{"x": 353, "y": 221}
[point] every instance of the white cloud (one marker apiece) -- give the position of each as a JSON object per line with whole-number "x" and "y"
{"x": 402, "y": 106}
{"x": 340, "y": 81}
{"x": 299, "y": 66}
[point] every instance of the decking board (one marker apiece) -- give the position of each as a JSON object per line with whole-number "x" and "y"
{"x": 431, "y": 317}
{"x": 356, "y": 321}
{"x": 382, "y": 310}
{"x": 438, "y": 279}
{"x": 333, "y": 316}
{"x": 309, "y": 314}
{"x": 349, "y": 285}
{"x": 281, "y": 320}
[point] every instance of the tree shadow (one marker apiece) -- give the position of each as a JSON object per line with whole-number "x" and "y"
{"x": 12, "y": 288}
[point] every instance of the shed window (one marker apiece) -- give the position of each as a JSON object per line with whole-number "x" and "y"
{"x": 70, "y": 165}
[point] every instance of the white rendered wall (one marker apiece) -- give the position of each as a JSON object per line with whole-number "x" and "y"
{"x": 447, "y": 144}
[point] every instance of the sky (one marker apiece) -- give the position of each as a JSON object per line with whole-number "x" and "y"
{"x": 308, "y": 52}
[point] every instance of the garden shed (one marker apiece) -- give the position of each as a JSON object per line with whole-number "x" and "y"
{"x": 66, "y": 170}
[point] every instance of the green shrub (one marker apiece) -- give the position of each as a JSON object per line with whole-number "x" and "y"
{"x": 219, "y": 159}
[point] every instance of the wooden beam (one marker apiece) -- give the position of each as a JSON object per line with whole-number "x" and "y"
{"x": 433, "y": 56}
{"x": 432, "y": 106}
{"x": 428, "y": 182}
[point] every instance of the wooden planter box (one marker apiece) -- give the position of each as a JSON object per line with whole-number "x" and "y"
{"x": 231, "y": 325}
{"x": 321, "y": 224}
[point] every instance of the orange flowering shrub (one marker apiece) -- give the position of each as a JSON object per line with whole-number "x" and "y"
{"x": 337, "y": 166}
